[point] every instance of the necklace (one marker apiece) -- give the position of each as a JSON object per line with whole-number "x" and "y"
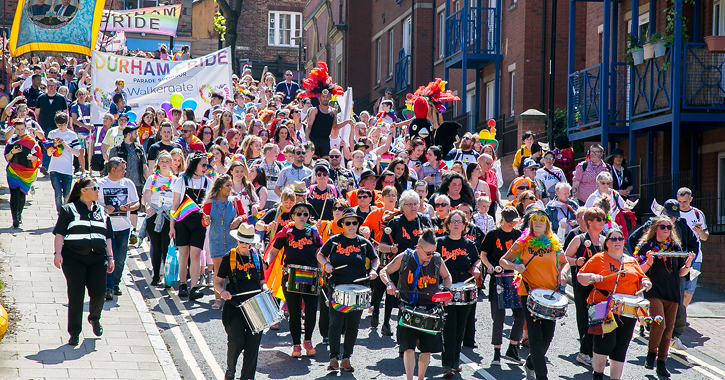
{"x": 219, "y": 210}
{"x": 165, "y": 186}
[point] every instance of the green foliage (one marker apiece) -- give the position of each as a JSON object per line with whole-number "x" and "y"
{"x": 220, "y": 25}
{"x": 633, "y": 43}
{"x": 559, "y": 128}
{"x": 655, "y": 38}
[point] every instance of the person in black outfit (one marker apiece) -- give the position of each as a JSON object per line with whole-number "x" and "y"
{"x": 288, "y": 88}
{"x": 83, "y": 251}
{"x": 243, "y": 267}
{"x": 321, "y": 120}
{"x": 623, "y": 178}
{"x": 347, "y": 248}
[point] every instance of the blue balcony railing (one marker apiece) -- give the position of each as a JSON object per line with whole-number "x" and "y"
{"x": 584, "y": 96}
{"x": 402, "y": 71}
{"x": 704, "y": 78}
{"x": 652, "y": 86}
{"x": 473, "y": 30}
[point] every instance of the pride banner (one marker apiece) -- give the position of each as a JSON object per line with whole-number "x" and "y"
{"x": 55, "y": 25}
{"x": 161, "y": 20}
{"x": 150, "y": 82}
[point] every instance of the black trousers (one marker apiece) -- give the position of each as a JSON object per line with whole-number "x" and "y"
{"x": 390, "y": 301}
{"x": 456, "y": 320}
{"x": 159, "y": 244}
{"x": 615, "y": 343}
{"x": 294, "y": 307}
{"x": 469, "y": 333}
{"x": 324, "y": 322}
{"x": 581, "y": 293}
{"x": 541, "y": 332}
{"x": 499, "y": 315}
{"x": 240, "y": 338}
{"x": 81, "y": 273}
{"x": 17, "y": 203}
{"x": 351, "y": 321}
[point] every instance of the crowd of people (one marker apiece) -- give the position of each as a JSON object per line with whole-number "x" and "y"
{"x": 395, "y": 209}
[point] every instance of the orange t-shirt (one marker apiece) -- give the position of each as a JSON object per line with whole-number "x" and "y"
{"x": 629, "y": 282}
{"x": 377, "y": 198}
{"x": 329, "y": 229}
{"x": 542, "y": 271}
{"x": 374, "y": 221}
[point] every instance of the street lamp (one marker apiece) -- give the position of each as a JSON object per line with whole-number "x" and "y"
{"x": 299, "y": 55}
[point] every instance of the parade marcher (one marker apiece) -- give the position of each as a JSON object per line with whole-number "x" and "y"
{"x": 322, "y": 118}
{"x": 538, "y": 256}
{"x": 83, "y": 250}
{"x": 321, "y": 194}
{"x": 665, "y": 294}
{"x": 419, "y": 268}
{"x": 585, "y": 175}
{"x": 529, "y": 168}
{"x": 65, "y": 146}
{"x": 578, "y": 252}
{"x": 461, "y": 256}
{"x": 165, "y": 141}
{"x": 550, "y": 175}
{"x": 347, "y": 248}
{"x": 271, "y": 167}
{"x": 456, "y": 187}
{"x": 562, "y": 209}
{"x": 340, "y": 177}
{"x": 328, "y": 229}
{"x": 364, "y": 203}
{"x": 158, "y": 198}
{"x": 623, "y": 178}
{"x": 47, "y": 107}
{"x": 24, "y": 156}
{"x": 300, "y": 243}
{"x": 368, "y": 180}
{"x": 564, "y": 156}
{"x": 632, "y": 281}
{"x": 495, "y": 245}
{"x": 242, "y": 266}
{"x": 297, "y": 171}
{"x": 189, "y": 231}
{"x": 604, "y": 187}
{"x": 442, "y": 207}
{"x": 518, "y": 164}
{"x": 481, "y": 217}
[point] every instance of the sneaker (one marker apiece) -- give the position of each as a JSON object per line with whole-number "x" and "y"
{"x": 326, "y": 341}
{"x": 109, "y": 295}
{"x": 496, "y": 357}
{"x": 309, "y": 349}
{"x": 133, "y": 239}
{"x": 677, "y": 344}
{"x": 584, "y": 359}
{"x": 386, "y": 330}
{"x": 346, "y": 366}
{"x": 334, "y": 365}
{"x": 183, "y": 291}
{"x": 530, "y": 374}
{"x": 195, "y": 293}
{"x": 209, "y": 279}
{"x": 296, "y": 351}
{"x": 512, "y": 354}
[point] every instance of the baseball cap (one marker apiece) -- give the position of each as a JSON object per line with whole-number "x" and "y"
{"x": 672, "y": 208}
{"x": 509, "y": 214}
{"x": 530, "y": 162}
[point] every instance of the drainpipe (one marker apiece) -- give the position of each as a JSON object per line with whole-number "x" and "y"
{"x": 543, "y": 57}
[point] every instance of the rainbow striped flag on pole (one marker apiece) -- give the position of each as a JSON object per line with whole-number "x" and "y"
{"x": 185, "y": 208}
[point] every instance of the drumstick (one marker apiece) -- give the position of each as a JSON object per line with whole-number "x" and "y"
{"x": 469, "y": 280}
{"x": 498, "y": 269}
{"x": 245, "y": 293}
{"x": 610, "y": 275}
{"x": 639, "y": 292}
{"x": 340, "y": 267}
{"x": 389, "y": 231}
{"x": 361, "y": 279}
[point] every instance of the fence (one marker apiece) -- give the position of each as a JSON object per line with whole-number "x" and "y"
{"x": 712, "y": 204}
{"x": 661, "y": 188}
{"x": 704, "y": 86}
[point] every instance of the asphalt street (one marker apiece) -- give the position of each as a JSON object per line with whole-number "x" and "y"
{"x": 196, "y": 339}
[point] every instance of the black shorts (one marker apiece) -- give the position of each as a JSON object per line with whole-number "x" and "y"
{"x": 426, "y": 342}
{"x": 190, "y": 231}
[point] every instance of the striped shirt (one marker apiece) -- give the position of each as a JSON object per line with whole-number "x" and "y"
{"x": 83, "y": 230}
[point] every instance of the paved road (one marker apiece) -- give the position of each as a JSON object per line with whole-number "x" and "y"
{"x": 198, "y": 343}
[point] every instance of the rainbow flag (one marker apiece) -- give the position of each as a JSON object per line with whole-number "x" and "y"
{"x": 254, "y": 219}
{"x": 342, "y": 308}
{"x": 304, "y": 276}
{"x": 388, "y": 216}
{"x": 20, "y": 176}
{"x": 196, "y": 145}
{"x": 561, "y": 204}
{"x": 51, "y": 144}
{"x": 185, "y": 208}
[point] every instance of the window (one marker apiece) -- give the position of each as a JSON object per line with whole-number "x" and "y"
{"x": 391, "y": 54}
{"x": 513, "y": 76}
{"x": 471, "y": 100}
{"x": 137, "y": 4}
{"x": 377, "y": 62}
{"x": 407, "y": 31}
{"x": 283, "y": 27}
{"x": 490, "y": 100}
{"x": 718, "y": 18}
{"x": 441, "y": 34}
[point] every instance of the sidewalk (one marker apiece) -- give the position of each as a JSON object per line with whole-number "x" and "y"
{"x": 131, "y": 346}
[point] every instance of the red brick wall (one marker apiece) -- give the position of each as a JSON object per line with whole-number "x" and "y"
{"x": 713, "y": 262}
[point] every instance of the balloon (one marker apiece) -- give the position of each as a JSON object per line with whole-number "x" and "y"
{"x": 168, "y": 113}
{"x": 166, "y": 106}
{"x": 132, "y": 116}
{"x": 189, "y": 103}
{"x": 176, "y": 99}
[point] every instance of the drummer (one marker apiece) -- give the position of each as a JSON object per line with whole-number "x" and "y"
{"x": 473, "y": 233}
{"x": 351, "y": 249}
{"x": 300, "y": 243}
{"x": 243, "y": 267}
{"x": 419, "y": 269}
{"x": 460, "y": 256}
{"x": 538, "y": 256}
{"x": 581, "y": 248}
{"x": 495, "y": 245}
{"x": 599, "y": 270}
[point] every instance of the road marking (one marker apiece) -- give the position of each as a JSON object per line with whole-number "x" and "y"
{"x": 476, "y": 368}
{"x": 698, "y": 361}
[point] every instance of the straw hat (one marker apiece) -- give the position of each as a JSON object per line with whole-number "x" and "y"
{"x": 245, "y": 234}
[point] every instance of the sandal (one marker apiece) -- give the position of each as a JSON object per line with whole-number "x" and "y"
{"x": 217, "y": 304}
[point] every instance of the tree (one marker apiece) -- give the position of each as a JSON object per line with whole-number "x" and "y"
{"x": 230, "y": 11}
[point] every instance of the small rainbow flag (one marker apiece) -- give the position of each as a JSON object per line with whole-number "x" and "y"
{"x": 51, "y": 144}
{"x": 304, "y": 276}
{"x": 254, "y": 219}
{"x": 342, "y": 308}
{"x": 388, "y": 216}
{"x": 185, "y": 208}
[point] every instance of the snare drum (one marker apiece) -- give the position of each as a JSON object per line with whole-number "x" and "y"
{"x": 547, "y": 304}
{"x": 352, "y": 297}
{"x": 429, "y": 321}
{"x": 507, "y": 294}
{"x": 629, "y": 306}
{"x": 463, "y": 294}
{"x": 261, "y": 311}
{"x": 302, "y": 279}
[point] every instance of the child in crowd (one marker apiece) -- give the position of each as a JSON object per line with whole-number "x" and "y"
{"x": 481, "y": 218}
{"x": 65, "y": 146}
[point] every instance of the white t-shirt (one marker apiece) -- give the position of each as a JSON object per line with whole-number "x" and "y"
{"x": 116, "y": 194}
{"x": 63, "y": 164}
{"x": 550, "y": 180}
{"x": 114, "y": 136}
{"x": 161, "y": 197}
{"x": 693, "y": 217}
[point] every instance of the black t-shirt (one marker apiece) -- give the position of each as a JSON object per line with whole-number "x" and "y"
{"x": 622, "y": 180}
{"x": 248, "y": 274}
{"x": 462, "y": 199}
{"x": 664, "y": 273}
{"x": 300, "y": 246}
{"x": 340, "y": 250}
{"x": 269, "y": 216}
{"x": 571, "y": 235}
{"x": 461, "y": 255}
{"x": 404, "y": 232}
{"x": 496, "y": 243}
{"x": 361, "y": 213}
{"x": 157, "y": 147}
{"x": 438, "y": 226}
{"x": 475, "y": 235}
{"x": 49, "y": 105}
{"x": 317, "y": 197}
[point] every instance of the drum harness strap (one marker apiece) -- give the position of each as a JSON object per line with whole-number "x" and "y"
{"x": 413, "y": 298}
{"x": 233, "y": 267}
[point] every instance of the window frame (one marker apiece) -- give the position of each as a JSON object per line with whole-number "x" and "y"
{"x": 378, "y": 63}
{"x": 718, "y": 18}
{"x": 294, "y": 27}
{"x": 391, "y": 53}
{"x": 442, "y": 34}
{"x": 512, "y": 77}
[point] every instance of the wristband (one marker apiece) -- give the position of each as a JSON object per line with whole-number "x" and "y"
{"x": 389, "y": 283}
{"x": 58, "y": 253}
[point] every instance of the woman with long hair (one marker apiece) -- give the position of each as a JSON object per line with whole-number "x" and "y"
{"x": 178, "y": 164}
{"x": 189, "y": 232}
{"x": 223, "y": 144}
{"x": 282, "y": 137}
{"x": 259, "y": 181}
{"x": 226, "y": 122}
{"x": 188, "y": 115}
{"x": 548, "y": 270}
{"x": 160, "y": 117}
{"x": 251, "y": 147}
{"x": 403, "y": 176}
{"x": 477, "y": 181}
{"x": 222, "y": 214}
{"x": 242, "y": 188}
{"x": 456, "y": 187}
{"x": 219, "y": 161}
{"x": 232, "y": 136}
{"x": 665, "y": 295}
{"x": 598, "y": 271}
{"x": 83, "y": 251}
{"x": 524, "y": 200}
{"x": 146, "y": 129}
{"x": 206, "y": 135}
{"x": 264, "y": 135}
{"x": 416, "y": 154}
{"x": 432, "y": 169}
{"x": 158, "y": 198}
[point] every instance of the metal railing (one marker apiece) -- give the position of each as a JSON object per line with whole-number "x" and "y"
{"x": 661, "y": 188}
{"x": 584, "y": 97}
{"x": 619, "y": 112}
{"x": 652, "y": 83}
{"x": 712, "y": 204}
{"x": 402, "y": 71}
{"x": 704, "y": 78}
{"x": 473, "y": 31}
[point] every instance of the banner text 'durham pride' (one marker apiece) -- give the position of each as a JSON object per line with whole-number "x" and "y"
{"x": 160, "y": 68}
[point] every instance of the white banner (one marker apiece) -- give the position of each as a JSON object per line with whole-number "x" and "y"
{"x": 150, "y": 82}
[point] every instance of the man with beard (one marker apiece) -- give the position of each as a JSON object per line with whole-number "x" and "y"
{"x": 337, "y": 172}
{"x": 464, "y": 152}
{"x": 320, "y": 122}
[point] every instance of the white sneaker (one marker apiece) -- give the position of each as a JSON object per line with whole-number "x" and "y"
{"x": 32, "y": 190}
{"x": 584, "y": 359}
{"x": 677, "y": 344}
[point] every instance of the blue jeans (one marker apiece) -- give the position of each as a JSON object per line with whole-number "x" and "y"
{"x": 120, "y": 249}
{"x": 690, "y": 285}
{"x": 62, "y": 184}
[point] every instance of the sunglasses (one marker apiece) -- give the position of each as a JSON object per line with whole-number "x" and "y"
{"x": 549, "y": 158}
{"x": 665, "y": 227}
{"x": 352, "y": 223}
{"x": 466, "y": 138}
{"x": 539, "y": 219}
{"x": 300, "y": 153}
{"x": 532, "y": 198}
{"x": 428, "y": 253}
{"x": 302, "y": 214}
{"x": 616, "y": 239}
{"x": 599, "y": 219}
{"x": 94, "y": 188}
{"x": 338, "y": 208}
{"x": 363, "y": 196}
{"x": 187, "y": 131}
{"x": 205, "y": 166}
{"x": 322, "y": 174}
{"x": 207, "y": 133}
{"x": 334, "y": 156}
{"x": 442, "y": 205}
{"x": 522, "y": 188}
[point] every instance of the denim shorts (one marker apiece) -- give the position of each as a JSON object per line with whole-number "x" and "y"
{"x": 690, "y": 285}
